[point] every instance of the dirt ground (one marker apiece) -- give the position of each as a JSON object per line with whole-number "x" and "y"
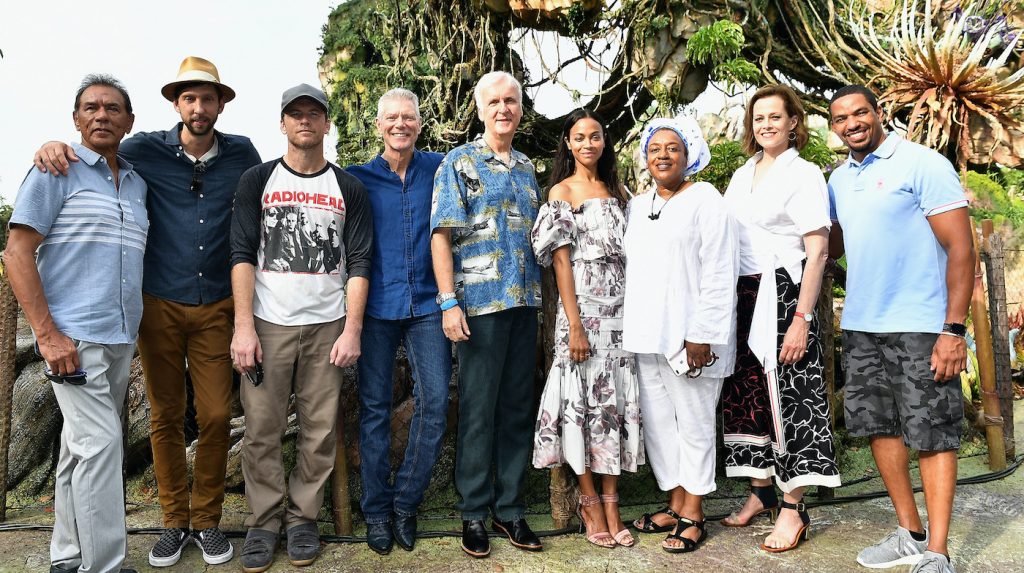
{"x": 987, "y": 536}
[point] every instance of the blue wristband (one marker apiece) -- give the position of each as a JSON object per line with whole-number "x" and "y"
{"x": 449, "y": 304}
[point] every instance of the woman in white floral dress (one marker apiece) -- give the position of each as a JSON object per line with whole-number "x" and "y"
{"x": 589, "y": 415}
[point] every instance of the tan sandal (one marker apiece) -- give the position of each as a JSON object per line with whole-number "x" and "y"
{"x": 601, "y": 538}
{"x": 623, "y": 537}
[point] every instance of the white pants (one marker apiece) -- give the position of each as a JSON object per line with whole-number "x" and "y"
{"x": 679, "y": 425}
{"x": 88, "y": 529}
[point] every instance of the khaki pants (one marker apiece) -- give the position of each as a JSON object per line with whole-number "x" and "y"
{"x": 171, "y": 334}
{"x": 296, "y": 359}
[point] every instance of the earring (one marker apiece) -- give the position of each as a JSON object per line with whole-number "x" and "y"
{"x": 792, "y": 136}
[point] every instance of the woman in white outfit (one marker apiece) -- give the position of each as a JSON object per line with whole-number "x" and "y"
{"x": 775, "y": 406}
{"x": 679, "y": 319}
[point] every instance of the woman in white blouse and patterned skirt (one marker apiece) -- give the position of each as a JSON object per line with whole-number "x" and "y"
{"x": 679, "y": 319}
{"x": 775, "y": 407}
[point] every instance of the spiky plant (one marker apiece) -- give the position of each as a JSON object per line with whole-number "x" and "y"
{"x": 946, "y": 76}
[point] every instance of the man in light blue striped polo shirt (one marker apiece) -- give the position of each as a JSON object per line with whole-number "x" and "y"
{"x": 74, "y": 258}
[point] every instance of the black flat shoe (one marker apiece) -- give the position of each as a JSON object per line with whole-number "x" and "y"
{"x": 474, "y": 539}
{"x": 404, "y": 528}
{"x": 379, "y": 537}
{"x": 518, "y": 533}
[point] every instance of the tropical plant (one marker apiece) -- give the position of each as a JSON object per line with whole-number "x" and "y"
{"x": 937, "y": 79}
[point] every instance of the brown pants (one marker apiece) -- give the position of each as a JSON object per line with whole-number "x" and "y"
{"x": 296, "y": 359}
{"x": 171, "y": 334}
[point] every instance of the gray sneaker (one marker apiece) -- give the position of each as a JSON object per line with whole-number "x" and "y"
{"x": 898, "y": 548}
{"x": 258, "y": 550}
{"x": 303, "y": 544}
{"x": 933, "y": 562}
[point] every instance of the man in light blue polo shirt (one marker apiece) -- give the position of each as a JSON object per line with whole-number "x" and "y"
{"x": 902, "y": 217}
{"x": 82, "y": 295}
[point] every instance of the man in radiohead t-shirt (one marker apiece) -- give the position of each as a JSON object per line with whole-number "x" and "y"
{"x": 298, "y": 322}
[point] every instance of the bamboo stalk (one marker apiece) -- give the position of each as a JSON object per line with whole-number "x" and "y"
{"x": 986, "y": 368}
{"x": 995, "y": 275}
{"x": 341, "y": 504}
{"x": 8, "y": 351}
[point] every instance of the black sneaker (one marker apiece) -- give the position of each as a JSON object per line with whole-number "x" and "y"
{"x": 167, "y": 550}
{"x": 216, "y": 548}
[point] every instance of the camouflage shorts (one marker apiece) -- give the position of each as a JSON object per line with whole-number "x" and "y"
{"x": 890, "y": 391}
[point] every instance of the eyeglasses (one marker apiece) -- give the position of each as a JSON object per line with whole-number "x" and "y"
{"x": 254, "y": 376}
{"x": 197, "y": 174}
{"x": 696, "y": 372}
{"x": 76, "y": 378}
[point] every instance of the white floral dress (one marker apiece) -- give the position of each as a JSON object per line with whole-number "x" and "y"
{"x": 589, "y": 411}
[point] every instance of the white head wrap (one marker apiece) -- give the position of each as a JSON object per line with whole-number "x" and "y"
{"x": 698, "y": 154}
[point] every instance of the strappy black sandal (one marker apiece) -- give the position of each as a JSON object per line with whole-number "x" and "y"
{"x": 769, "y": 501}
{"x": 649, "y": 526}
{"x": 688, "y": 544}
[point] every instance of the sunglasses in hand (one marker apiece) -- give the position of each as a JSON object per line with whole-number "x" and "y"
{"x": 254, "y": 376}
{"x": 696, "y": 372}
{"x": 76, "y": 378}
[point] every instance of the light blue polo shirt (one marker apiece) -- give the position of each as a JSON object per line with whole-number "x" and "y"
{"x": 94, "y": 237}
{"x": 896, "y": 268}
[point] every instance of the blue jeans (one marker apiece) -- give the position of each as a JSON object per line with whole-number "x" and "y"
{"x": 429, "y": 355}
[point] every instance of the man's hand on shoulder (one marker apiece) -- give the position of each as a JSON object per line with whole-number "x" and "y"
{"x": 54, "y": 157}
{"x": 949, "y": 357}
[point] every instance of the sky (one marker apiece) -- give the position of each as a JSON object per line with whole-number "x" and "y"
{"x": 259, "y": 48}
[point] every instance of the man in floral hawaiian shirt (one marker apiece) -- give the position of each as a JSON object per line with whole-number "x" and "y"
{"x": 485, "y": 202}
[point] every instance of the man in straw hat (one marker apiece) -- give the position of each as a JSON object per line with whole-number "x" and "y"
{"x": 192, "y": 171}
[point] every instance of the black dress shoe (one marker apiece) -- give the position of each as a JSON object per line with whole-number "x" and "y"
{"x": 474, "y": 538}
{"x": 379, "y": 537}
{"x": 518, "y": 533}
{"x": 404, "y": 528}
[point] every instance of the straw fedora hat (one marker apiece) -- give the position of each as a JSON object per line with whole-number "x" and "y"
{"x": 194, "y": 69}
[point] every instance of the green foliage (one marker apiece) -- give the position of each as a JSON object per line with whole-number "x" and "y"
{"x": 720, "y": 41}
{"x": 5, "y": 218}
{"x": 992, "y": 201}
{"x": 726, "y": 158}
{"x": 818, "y": 152}
{"x": 736, "y": 71}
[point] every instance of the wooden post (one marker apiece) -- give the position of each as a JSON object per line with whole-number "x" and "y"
{"x": 827, "y": 340}
{"x": 8, "y": 350}
{"x": 563, "y": 500}
{"x": 341, "y": 504}
{"x": 986, "y": 367}
{"x": 995, "y": 276}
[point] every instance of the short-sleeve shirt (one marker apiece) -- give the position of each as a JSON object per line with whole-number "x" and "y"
{"x": 94, "y": 237}
{"x": 490, "y": 207}
{"x": 896, "y": 268}
{"x": 790, "y": 200}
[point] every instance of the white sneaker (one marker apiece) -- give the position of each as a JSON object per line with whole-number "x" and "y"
{"x": 898, "y": 548}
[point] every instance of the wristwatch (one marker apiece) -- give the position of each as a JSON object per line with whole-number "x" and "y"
{"x": 806, "y": 316}
{"x": 955, "y": 328}
{"x": 444, "y": 296}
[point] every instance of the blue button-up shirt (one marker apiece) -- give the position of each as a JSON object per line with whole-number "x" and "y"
{"x": 94, "y": 236}
{"x": 402, "y": 283}
{"x": 188, "y": 258}
{"x": 490, "y": 207}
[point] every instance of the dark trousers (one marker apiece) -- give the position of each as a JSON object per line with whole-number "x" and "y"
{"x": 496, "y": 368}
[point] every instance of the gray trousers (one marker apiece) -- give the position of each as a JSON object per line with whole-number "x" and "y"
{"x": 89, "y": 530}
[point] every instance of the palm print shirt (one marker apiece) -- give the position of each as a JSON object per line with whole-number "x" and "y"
{"x": 490, "y": 207}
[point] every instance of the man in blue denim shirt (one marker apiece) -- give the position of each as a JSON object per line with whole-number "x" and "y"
{"x": 192, "y": 171}
{"x": 401, "y": 309}
{"x": 485, "y": 202}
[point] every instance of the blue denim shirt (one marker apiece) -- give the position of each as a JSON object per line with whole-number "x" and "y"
{"x": 187, "y": 260}
{"x": 94, "y": 234}
{"x": 402, "y": 283}
{"x": 490, "y": 207}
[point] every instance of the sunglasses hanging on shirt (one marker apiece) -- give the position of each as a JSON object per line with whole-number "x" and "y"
{"x": 197, "y": 177}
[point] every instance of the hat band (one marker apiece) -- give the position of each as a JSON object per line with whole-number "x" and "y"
{"x": 196, "y": 76}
